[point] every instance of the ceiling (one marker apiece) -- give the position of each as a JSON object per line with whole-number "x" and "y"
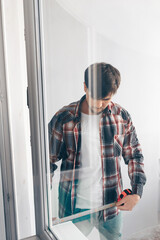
{"x": 133, "y": 24}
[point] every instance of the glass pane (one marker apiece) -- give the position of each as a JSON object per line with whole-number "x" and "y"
{"x": 98, "y": 148}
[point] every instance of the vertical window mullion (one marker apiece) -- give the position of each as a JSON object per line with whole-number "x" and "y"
{"x": 37, "y": 119}
{"x": 5, "y": 148}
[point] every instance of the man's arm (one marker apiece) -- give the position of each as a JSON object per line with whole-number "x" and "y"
{"x": 55, "y": 133}
{"x": 133, "y": 157}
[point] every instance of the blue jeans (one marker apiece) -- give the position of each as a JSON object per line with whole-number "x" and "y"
{"x": 109, "y": 230}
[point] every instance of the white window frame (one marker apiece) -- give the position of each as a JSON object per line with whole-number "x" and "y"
{"x": 36, "y": 104}
{"x": 8, "y": 201}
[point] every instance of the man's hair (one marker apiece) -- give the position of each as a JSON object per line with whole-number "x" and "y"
{"x": 102, "y": 79}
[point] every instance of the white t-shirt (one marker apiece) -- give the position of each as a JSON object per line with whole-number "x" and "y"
{"x": 89, "y": 190}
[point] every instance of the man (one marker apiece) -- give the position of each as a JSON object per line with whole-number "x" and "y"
{"x": 91, "y": 136}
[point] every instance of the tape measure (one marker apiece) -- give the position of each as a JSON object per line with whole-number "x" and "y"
{"x": 81, "y": 214}
{"x": 124, "y": 194}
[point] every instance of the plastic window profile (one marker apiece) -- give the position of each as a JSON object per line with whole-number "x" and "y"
{"x": 36, "y": 108}
{"x": 10, "y": 223}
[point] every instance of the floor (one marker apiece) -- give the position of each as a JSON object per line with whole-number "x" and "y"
{"x": 152, "y": 233}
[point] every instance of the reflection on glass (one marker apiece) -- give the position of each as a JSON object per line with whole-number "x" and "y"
{"x": 91, "y": 135}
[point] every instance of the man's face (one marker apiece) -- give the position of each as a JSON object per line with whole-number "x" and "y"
{"x": 97, "y": 106}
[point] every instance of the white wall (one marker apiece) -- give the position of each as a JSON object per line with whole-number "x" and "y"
{"x": 139, "y": 94}
{"x": 15, "y": 61}
{"x": 65, "y": 56}
{"x": 69, "y": 46}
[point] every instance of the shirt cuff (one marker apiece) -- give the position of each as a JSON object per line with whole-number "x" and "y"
{"x": 137, "y": 189}
{"x": 53, "y": 167}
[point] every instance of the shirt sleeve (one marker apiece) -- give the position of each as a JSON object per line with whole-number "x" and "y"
{"x": 133, "y": 157}
{"x": 56, "y": 143}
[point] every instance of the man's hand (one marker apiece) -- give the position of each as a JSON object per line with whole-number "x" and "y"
{"x": 128, "y": 202}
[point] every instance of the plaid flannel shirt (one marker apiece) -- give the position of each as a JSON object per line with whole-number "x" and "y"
{"x": 117, "y": 139}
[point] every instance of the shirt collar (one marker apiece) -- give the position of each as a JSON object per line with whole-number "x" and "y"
{"x": 107, "y": 110}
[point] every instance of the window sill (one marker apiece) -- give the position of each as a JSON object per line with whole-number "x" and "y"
{"x": 31, "y": 238}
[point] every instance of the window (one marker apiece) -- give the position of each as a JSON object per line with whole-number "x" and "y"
{"x": 66, "y": 43}
{"x": 62, "y": 39}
